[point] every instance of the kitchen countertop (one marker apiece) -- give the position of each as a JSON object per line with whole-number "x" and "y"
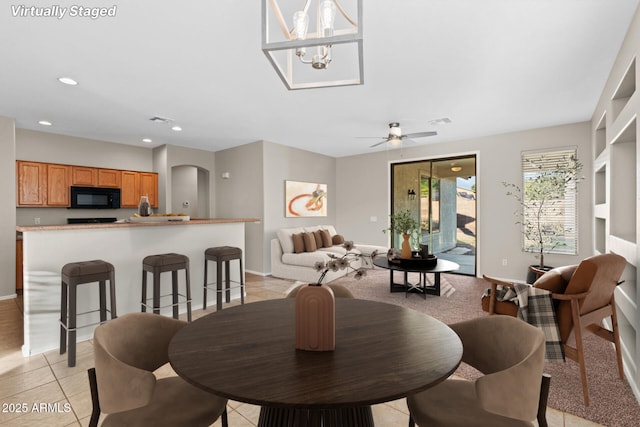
{"x": 193, "y": 221}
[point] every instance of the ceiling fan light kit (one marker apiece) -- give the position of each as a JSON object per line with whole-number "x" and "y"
{"x": 329, "y": 56}
{"x": 395, "y": 137}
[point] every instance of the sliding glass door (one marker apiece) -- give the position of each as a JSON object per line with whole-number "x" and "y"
{"x": 441, "y": 194}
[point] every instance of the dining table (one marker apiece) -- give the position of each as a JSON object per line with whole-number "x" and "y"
{"x": 383, "y": 352}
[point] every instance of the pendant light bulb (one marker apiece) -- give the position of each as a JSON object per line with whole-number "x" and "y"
{"x": 327, "y": 17}
{"x": 300, "y": 25}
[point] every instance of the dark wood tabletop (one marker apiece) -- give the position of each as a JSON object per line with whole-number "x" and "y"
{"x": 247, "y": 353}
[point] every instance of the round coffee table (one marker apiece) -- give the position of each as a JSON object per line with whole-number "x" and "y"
{"x": 421, "y": 288}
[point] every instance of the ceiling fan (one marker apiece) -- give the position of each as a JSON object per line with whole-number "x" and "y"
{"x": 395, "y": 136}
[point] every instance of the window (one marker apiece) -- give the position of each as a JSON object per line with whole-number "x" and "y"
{"x": 549, "y": 200}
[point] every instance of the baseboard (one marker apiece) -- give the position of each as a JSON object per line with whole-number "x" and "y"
{"x": 257, "y": 273}
{"x": 10, "y": 296}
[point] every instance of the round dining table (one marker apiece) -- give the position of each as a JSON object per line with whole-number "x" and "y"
{"x": 383, "y": 352}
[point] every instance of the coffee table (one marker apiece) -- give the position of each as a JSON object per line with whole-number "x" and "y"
{"x": 421, "y": 288}
{"x": 383, "y": 352}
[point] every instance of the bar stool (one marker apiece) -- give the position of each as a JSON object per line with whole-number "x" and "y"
{"x": 78, "y": 273}
{"x": 157, "y": 264}
{"x": 219, "y": 255}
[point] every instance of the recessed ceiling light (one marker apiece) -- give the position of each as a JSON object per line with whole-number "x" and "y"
{"x": 176, "y": 128}
{"x": 45, "y": 123}
{"x": 68, "y": 81}
{"x": 147, "y": 140}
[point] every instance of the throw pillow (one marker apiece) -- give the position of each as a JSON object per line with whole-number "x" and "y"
{"x": 298, "y": 243}
{"x": 309, "y": 242}
{"x": 326, "y": 239}
{"x": 338, "y": 239}
{"x": 318, "y": 235}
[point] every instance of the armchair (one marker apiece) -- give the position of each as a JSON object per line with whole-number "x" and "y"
{"x": 583, "y": 296}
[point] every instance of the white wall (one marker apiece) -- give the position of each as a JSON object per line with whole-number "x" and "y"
{"x": 7, "y": 208}
{"x": 364, "y": 187}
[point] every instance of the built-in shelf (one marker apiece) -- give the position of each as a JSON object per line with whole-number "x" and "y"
{"x": 600, "y": 139}
{"x": 600, "y": 185}
{"x": 623, "y": 180}
{"x": 601, "y": 235}
{"x": 625, "y": 90}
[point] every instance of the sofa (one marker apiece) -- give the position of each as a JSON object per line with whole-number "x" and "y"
{"x": 291, "y": 259}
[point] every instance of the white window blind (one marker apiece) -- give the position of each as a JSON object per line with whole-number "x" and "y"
{"x": 549, "y": 201}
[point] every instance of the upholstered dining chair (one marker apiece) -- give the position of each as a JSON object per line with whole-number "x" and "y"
{"x": 510, "y": 355}
{"x": 339, "y": 291}
{"x": 127, "y": 350}
{"x": 583, "y": 296}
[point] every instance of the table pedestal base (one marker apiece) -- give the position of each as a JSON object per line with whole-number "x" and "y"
{"x": 421, "y": 288}
{"x": 360, "y": 416}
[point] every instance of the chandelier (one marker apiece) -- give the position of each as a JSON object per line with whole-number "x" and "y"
{"x": 305, "y": 56}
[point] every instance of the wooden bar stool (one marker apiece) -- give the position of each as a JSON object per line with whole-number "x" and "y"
{"x": 78, "y": 273}
{"x": 219, "y": 255}
{"x": 157, "y": 264}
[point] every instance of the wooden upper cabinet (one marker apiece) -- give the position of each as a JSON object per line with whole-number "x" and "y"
{"x": 130, "y": 193}
{"x": 109, "y": 178}
{"x": 149, "y": 187}
{"x": 32, "y": 183}
{"x": 58, "y": 182}
{"x": 84, "y": 176}
{"x": 47, "y": 184}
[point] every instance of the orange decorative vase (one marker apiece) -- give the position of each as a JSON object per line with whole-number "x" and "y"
{"x": 406, "y": 247}
{"x": 315, "y": 318}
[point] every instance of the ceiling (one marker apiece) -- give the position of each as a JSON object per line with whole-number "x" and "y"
{"x": 491, "y": 66}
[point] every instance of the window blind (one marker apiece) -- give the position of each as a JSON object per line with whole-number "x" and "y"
{"x": 549, "y": 202}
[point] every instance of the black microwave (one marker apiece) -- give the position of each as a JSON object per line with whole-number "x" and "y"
{"x": 95, "y": 198}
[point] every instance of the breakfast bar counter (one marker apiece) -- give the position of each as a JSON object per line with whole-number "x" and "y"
{"x": 47, "y": 248}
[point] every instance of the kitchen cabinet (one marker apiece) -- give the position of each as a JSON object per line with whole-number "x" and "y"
{"x": 19, "y": 280}
{"x": 109, "y": 178}
{"x": 48, "y": 184}
{"x": 32, "y": 183}
{"x": 136, "y": 184}
{"x": 149, "y": 187}
{"x": 84, "y": 176}
{"x": 130, "y": 190}
{"x": 58, "y": 181}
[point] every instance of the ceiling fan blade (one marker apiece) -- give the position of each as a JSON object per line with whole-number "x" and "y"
{"x": 379, "y": 143}
{"x": 420, "y": 134}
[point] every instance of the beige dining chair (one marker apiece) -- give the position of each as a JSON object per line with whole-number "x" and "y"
{"x": 127, "y": 350}
{"x": 510, "y": 355}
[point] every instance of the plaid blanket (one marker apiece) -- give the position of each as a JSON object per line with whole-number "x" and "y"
{"x": 535, "y": 306}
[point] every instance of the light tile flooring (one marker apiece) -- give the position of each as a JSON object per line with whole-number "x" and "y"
{"x": 42, "y": 391}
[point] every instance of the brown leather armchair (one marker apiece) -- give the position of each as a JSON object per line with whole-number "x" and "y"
{"x": 583, "y": 296}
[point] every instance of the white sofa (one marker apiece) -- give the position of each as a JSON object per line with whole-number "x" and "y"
{"x": 287, "y": 264}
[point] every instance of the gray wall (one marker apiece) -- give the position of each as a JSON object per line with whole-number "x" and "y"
{"x": 364, "y": 205}
{"x": 242, "y": 195}
{"x": 282, "y": 163}
{"x": 53, "y": 148}
{"x": 8, "y": 208}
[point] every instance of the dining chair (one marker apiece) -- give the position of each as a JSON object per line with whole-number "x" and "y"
{"x": 583, "y": 297}
{"x": 126, "y": 351}
{"x": 510, "y": 355}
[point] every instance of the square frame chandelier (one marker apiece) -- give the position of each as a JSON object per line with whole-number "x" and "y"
{"x": 329, "y": 55}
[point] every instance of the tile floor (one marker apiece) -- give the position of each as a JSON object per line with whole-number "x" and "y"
{"x": 42, "y": 391}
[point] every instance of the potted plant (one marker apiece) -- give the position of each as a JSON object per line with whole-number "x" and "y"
{"x": 404, "y": 224}
{"x": 542, "y": 198}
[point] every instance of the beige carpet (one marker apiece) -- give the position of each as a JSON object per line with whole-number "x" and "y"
{"x": 611, "y": 401}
